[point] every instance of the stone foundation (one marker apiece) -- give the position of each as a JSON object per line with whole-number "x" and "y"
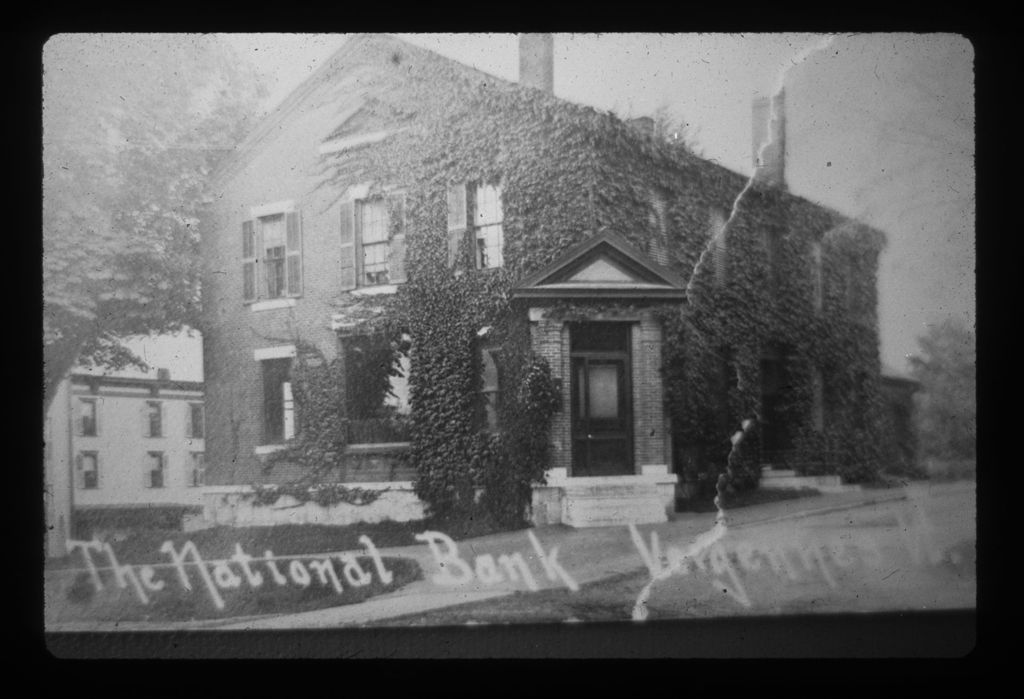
{"x": 229, "y": 506}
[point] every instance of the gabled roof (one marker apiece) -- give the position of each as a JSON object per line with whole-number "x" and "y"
{"x": 604, "y": 266}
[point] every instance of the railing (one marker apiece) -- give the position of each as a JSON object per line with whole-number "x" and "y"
{"x": 378, "y": 431}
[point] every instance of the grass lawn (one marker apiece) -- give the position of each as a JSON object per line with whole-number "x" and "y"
{"x": 745, "y": 498}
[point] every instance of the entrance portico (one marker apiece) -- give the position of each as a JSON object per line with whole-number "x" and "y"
{"x": 593, "y": 318}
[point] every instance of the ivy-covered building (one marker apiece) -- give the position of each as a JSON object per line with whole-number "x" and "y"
{"x": 448, "y": 292}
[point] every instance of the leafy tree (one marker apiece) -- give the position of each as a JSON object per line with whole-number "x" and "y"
{"x": 947, "y": 370}
{"x": 133, "y": 125}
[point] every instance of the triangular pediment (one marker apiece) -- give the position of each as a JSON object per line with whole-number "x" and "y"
{"x": 605, "y": 265}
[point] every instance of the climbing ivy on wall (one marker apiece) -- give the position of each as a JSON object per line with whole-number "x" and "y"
{"x": 567, "y": 173}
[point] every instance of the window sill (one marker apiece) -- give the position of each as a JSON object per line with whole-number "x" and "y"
{"x": 374, "y": 448}
{"x": 381, "y": 290}
{"x": 271, "y": 304}
{"x": 265, "y": 449}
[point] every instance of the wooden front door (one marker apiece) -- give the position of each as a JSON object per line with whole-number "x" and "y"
{"x": 602, "y": 421}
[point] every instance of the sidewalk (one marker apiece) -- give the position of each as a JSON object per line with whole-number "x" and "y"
{"x": 587, "y": 555}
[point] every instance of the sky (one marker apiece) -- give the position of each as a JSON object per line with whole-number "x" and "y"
{"x": 879, "y": 127}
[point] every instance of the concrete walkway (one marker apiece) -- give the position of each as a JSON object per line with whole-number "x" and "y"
{"x": 585, "y": 556}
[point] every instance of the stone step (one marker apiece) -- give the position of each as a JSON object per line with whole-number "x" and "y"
{"x": 612, "y": 510}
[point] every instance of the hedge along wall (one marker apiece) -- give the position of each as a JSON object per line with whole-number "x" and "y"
{"x": 567, "y": 173}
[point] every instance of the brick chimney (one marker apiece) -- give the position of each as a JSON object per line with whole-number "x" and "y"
{"x": 537, "y": 61}
{"x": 769, "y": 139}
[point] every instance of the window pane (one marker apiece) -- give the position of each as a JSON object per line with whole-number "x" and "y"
{"x": 155, "y": 423}
{"x": 489, "y": 244}
{"x": 197, "y": 421}
{"x": 374, "y": 221}
{"x": 275, "y": 272}
{"x": 603, "y": 391}
{"x": 273, "y": 232}
{"x": 488, "y": 205}
{"x": 88, "y": 417}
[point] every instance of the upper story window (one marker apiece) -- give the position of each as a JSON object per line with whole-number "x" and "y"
{"x": 272, "y": 257}
{"x": 87, "y": 423}
{"x": 195, "y": 427}
{"x": 278, "y": 403}
{"x": 153, "y": 424}
{"x": 197, "y": 476}
{"x": 154, "y": 475}
{"x": 475, "y": 211}
{"x": 88, "y": 470}
{"x": 373, "y": 241}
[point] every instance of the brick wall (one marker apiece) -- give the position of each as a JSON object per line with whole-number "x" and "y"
{"x": 648, "y": 398}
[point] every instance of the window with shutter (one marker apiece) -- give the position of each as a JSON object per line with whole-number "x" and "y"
{"x": 153, "y": 416}
{"x": 194, "y": 423}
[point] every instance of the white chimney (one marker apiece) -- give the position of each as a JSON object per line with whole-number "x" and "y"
{"x": 769, "y": 139}
{"x": 537, "y": 61}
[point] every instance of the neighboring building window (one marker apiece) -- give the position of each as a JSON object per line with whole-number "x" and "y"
{"x": 490, "y": 378}
{"x": 87, "y": 426}
{"x": 198, "y": 475}
{"x": 817, "y": 400}
{"x": 476, "y": 210}
{"x": 272, "y": 257}
{"x": 154, "y": 425}
{"x": 155, "y": 469}
{"x": 278, "y": 404}
{"x": 195, "y": 425}
{"x": 818, "y": 289}
{"x": 89, "y": 470}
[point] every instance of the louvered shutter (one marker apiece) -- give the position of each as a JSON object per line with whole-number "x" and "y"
{"x": 293, "y": 253}
{"x": 348, "y": 246}
{"x": 188, "y": 421}
{"x": 79, "y": 472}
{"x": 248, "y": 261}
{"x": 396, "y": 254}
{"x": 456, "y": 220}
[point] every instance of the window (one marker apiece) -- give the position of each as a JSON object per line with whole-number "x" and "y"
{"x": 88, "y": 470}
{"x": 195, "y": 429}
{"x": 377, "y": 388}
{"x": 155, "y": 469}
{"x": 720, "y": 256}
{"x": 476, "y": 210}
{"x": 490, "y": 374}
{"x": 373, "y": 241}
{"x": 278, "y": 404}
{"x": 198, "y": 475}
{"x": 818, "y": 295}
{"x": 272, "y": 257}
{"x": 87, "y": 417}
{"x": 153, "y": 425}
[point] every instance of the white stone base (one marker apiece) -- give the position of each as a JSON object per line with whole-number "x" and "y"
{"x": 780, "y": 479}
{"x": 602, "y": 501}
{"x": 229, "y": 506}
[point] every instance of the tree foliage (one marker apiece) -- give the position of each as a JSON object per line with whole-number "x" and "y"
{"x": 132, "y": 127}
{"x": 947, "y": 411}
